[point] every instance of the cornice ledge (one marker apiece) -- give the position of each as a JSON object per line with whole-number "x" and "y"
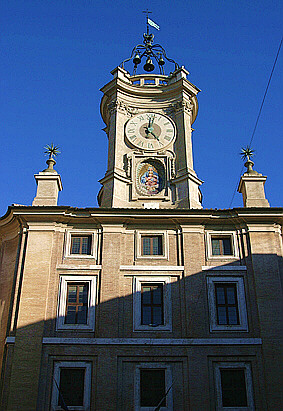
{"x": 224, "y": 268}
{"x": 151, "y": 268}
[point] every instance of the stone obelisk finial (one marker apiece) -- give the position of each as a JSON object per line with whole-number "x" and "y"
{"x": 252, "y": 183}
{"x": 48, "y": 181}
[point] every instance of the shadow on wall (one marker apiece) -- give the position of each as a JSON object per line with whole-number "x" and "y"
{"x": 184, "y": 328}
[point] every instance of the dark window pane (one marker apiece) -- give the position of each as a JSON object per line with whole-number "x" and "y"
{"x": 152, "y": 245}
{"x": 82, "y": 315}
{"x": 215, "y": 246}
{"x": 83, "y": 293}
{"x": 231, "y": 295}
{"x": 157, "y": 245}
{"x": 227, "y": 304}
{"x": 71, "y": 315}
{"x": 85, "y": 242}
{"x": 152, "y": 388}
{"x": 233, "y": 388}
{"x": 146, "y": 296}
{"x": 221, "y": 246}
{"x": 146, "y": 245}
{"x": 76, "y": 245}
{"x": 72, "y": 386}
{"x": 77, "y": 304}
{"x": 157, "y": 316}
{"x": 227, "y": 249}
{"x": 81, "y": 245}
{"x": 157, "y": 295}
{"x": 232, "y": 315}
{"x": 152, "y": 304}
{"x": 222, "y": 318}
{"x": 220, "y": 295}
{"x": 72, "y": 294}
{"x": 146, "y": 315}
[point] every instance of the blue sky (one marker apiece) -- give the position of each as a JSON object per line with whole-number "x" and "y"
{"x": 57, "y": 54}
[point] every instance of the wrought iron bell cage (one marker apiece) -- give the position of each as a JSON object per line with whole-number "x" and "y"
{"x": 152, "y": 53}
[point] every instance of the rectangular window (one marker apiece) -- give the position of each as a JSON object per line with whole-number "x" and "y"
{"x": 81, "y": 244}
{"x": 152, "y": 388}
{"x": 71, "y": 386}
{"x": 233, "y": 384}
{"x": 77, "y": 303}
{"x": 221, "y": 245}
{"x": 152, "y": 245}
{"x": 152, "y": 304}
{"x": 226, "y": 304}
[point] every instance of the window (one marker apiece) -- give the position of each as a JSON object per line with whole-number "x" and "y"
{"x": 221, "y": 245}
{"x": 80, "y": 244}
{"x": 76, "y": 308}
{"x": 227, "y": 305}
{"x": 152, "y": 245}
{"x": 153, "y": 387}
{"x": 152, "y": 304}
{"x": 71, "y": 385}
{"x": 234, "y": 386}
{"x": 77, "y": 303}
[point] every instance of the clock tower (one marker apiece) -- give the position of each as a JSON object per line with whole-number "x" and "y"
{"x": 149, "y": 121}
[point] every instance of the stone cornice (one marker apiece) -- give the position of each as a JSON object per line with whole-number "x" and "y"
{"x": 238, "y": 217}
{"x": 118, "y": 89}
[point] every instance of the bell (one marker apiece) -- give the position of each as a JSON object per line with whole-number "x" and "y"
{"x": 161, "y": 62}
{"x": 149, "y": 66}
{"x": 137, "y": 59}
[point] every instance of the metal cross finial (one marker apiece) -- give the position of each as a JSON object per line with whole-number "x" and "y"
{"x": 147, "y": 13}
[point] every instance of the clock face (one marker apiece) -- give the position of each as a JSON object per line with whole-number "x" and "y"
{"x": 150, "y": 131}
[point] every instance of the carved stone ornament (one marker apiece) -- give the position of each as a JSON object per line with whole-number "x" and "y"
{"x": 128, "y": 165}
{"x": 172, "y": 167}
{"x": 119, "y": 105}
{"x": 182, "y": 106}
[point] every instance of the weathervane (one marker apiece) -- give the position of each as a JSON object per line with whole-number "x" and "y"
{"x": 246, "y": 153}
{"x": 51, "y": 150}
{"x": 149, "y": 51}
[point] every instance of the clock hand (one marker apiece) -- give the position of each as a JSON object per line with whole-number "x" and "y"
{"x": 154, "y": 135}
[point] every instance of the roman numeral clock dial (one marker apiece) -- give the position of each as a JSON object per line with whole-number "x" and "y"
{"x": 150, "y": 131}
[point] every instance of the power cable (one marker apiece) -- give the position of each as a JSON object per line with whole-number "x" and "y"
{"x": 259, "y": 113}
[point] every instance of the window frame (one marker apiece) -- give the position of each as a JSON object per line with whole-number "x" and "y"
{"x": 246, "y": 366}
{"x": 58, "y": 365}
{"x": 210, "y": 234}
{"x": 168, "y": 384}
{"x": 81, "y": 233}
{"x": 62, "y": 302}
{"x": 241, "y": 302}
{"x": 151, "y": 233}
{"x": 151, "y": 237}
{"x": 152, "y": 305}
{"x": 167, "y": 303}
